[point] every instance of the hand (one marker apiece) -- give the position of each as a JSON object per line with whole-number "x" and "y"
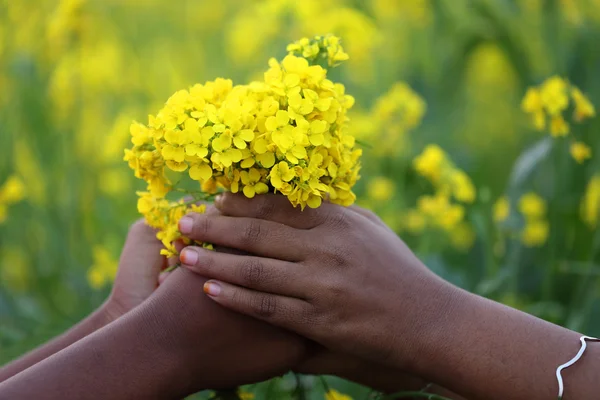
{"x": 336, "y": 275}
{"x": 140, "y": 265}
{"x": 214, "y": 347}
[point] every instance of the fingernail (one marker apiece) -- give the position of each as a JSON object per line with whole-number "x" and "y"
{"x": 212, "y": 288}
{"x": 185, "y": 225}
{"x": 219, "y": 200}
{"x": 189, "y": 256}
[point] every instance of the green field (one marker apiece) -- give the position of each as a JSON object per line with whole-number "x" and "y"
{"x": 453, "y": 159}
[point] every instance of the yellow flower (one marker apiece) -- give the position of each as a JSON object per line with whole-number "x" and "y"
{"x": 583, "y": 107}
{"x": 501, "y": 209}
{"x": 281, "y": 174}
{"x": 580, "y": 151}
{"x": 252, "y": 183}
{"x": 381, "y": 188}
{"x": 104, "y": 268}
{"x": 285, "y": 133}
{"x": 335, "y": 395}
{"x": 532, "y": 206}
{"x": 590, "y": 205}
{"x": 462, "y": 187}
{"x": 12, "y": 191}
{"x": 430, "y": 163}
{"x": 532, "y": 104}
{"x": 554, "y": 95}
{"x": 558, "y": 126}
{"x": 535, "y": 233}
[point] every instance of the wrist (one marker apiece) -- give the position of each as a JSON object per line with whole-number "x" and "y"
{"x": 437, "y": 319}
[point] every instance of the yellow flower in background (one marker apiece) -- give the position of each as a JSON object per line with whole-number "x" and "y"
{"x": 462, "y": 186}
{"x": 580, "y": 152}
{"x": 548, "y": 101}
{"x": 536, "y": 229}
{"x": 501, "y": 209}
{"x": 381, "y": 188}
{"x": 12, "y": 191}
{"x": 532, "y": 104}
{"x": 532, "y": 206}
{"x": 535, "y": 233}
{"x": 583, "y": 106}
{"x": 431, "y": 163}
{"x": 104, "y": 268}
{"x": 590, "y": 205}
{"x": 335, "y": 395}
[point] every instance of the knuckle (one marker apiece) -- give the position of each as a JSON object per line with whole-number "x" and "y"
{"x": 264, "y": 306}
{"x": 252, "y": 272}
{"x": 264, "y": 207}
{"x": 251, "y": 232}
{"x": 338, "y": 220}
{"x": 202, "y": 225}
{"x": 337, "y": 257}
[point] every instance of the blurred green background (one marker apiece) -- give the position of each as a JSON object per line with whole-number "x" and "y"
{"x": 75, "y": 73}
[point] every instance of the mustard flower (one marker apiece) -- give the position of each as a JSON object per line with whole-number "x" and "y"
{"x": 580, "y": 152}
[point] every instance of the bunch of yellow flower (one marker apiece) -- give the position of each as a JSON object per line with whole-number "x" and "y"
{"x": 533, "y": 208}
{"x": 549, "y": 101}
{"x": 11, "y": 192}
{"x": 287, "y": 134}
{"x": 435, "y": 165}
{"x": 438, "y": 211}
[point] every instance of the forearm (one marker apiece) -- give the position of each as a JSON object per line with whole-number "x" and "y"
{"x": 120, "y": 361}
{"x": 95, "y": 321}
{"x": 390, "y": 380}
{"x": 485, "y": 350}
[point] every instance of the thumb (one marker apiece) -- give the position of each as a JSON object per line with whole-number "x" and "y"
{"x": 140, "y": 262}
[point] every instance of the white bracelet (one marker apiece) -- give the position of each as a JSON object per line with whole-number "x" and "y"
{"x": 571, "y": 362}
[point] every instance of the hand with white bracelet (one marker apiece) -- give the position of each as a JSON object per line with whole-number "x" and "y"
{"x": 340, "y": 277}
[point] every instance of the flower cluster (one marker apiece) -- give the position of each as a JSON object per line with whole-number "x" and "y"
{"x": 536, "y": 229}
{"x": 287, "y": 134}
{"x": 547, "y": 104}
{"x": 11, "y": 192}
{"x": 397, "y": 112}
{"x": 438, "y": 211}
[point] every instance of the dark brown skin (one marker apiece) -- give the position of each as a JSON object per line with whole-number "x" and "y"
{"x": 176, "y": 343}
{"x": 341, "y": 278}
{"x": 139, "y": 268}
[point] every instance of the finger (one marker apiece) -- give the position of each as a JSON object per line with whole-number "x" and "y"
{"x": 259, "y": 237}
{"x": 163, "y": 277}
{"x": 272, "y": 207}
{"x": 370, "y": 215}
{"x": 285, "y": 312}
{"x": 263, "y": 274}
{"x": 141, "y": 251}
